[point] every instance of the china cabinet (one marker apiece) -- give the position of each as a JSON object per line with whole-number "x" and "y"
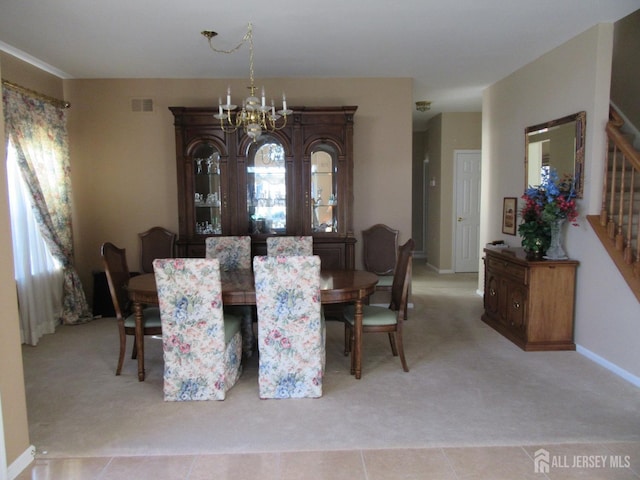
{"x": 297, "y": 180}
{"x": 530, "y": 302}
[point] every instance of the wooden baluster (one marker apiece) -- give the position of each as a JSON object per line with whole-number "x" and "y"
{"x": 619, "y": 238}
{"x": 610, "y": 224}
{"x": 605, "y": 182}
{"x": 628, "y": 254}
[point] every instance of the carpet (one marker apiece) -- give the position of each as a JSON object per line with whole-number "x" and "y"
{"x": 467, "y": 386}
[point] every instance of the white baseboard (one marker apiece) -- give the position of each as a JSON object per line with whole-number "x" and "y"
{"x": 629, "y": 377}
{"x": 22, "y": 462}
{"x": 435, "y": 269}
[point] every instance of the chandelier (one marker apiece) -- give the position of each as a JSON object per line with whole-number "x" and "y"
{"x": 254, "y": 116}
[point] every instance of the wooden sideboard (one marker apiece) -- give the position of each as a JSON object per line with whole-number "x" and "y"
{"x": 531, "y": 302}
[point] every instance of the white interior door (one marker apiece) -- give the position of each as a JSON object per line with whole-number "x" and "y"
{"x": 467, "y": 221}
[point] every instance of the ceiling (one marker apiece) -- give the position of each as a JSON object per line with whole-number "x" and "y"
{"x": 452, "y": 50}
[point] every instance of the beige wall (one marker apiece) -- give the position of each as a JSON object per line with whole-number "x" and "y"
{"x": 446, "y": 133}
{"x": 14, "y": 406}
{"x": 418, "y": 216}
{"x": 626, "y": 68}
{"x": 434, "y": 192}
{"x": 26, "y": 75}
{"x": 580, "y": 81}
{"x": 123, "y": 163}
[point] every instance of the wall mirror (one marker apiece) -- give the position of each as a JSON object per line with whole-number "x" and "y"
{"x": 557, "y": 144}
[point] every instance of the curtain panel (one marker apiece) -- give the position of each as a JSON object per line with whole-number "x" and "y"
{"x": 38, "y": 131}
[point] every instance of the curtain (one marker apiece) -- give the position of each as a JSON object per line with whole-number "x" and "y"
{"x": 38, "y": 133}
{"x": 38, "y": 275}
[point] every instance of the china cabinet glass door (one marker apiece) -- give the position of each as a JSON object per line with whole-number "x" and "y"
{"x": 207, "y": 191}
{"x": 324, "y": 198}
{"x": 266, "y": 187}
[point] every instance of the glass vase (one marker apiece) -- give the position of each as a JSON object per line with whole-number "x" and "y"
{"x": 555, "y": 250}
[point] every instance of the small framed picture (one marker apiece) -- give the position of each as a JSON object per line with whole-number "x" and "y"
{"x": 509, "y": 215}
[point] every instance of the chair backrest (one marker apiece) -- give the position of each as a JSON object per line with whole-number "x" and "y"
{"x": 157, "y": 242}
{"x": 291, "y": 338}
{"x": 402, "y": 278}
{"x": 233, "y": 252}
{"x": 114, "y": 260}
{"x": 379, "y": 249}
{"x": 193, "y": 329}
{"x": 290, "y": 246}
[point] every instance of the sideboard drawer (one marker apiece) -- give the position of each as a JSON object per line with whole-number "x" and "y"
{"x": 504, "y": 267}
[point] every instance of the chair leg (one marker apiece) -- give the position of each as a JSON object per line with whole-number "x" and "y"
{"x": 123, "y": 347}
{"x": 134, "y": 352}
{"x": 352, "y": 340}
{"x": 392, "y": 341}
{"x": 347, "y": 345}
{"x": 401, "y": 351}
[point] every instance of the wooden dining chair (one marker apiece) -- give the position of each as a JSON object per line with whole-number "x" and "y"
{"x": 114, "y": 260}
{"x": 290, "y": 246}
{"x": 202, "y": 345}
{"x": 291, "y": 330}
{"x": 379, "y": 253}
{"x": 233, "y": 252}
{"x": 157, "y": 242}
{"x": 385, "y": 319}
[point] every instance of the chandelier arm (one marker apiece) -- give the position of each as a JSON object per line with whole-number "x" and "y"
{"x": 247, "y": 36}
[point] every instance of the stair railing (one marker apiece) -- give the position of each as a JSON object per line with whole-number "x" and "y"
{"x": 618, "y": 223}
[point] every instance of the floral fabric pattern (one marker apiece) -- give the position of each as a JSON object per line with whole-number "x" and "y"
{"x": 199, "y": 363}
{"x": 290, "y": 246}
{"x": 233, "y": 252}
{"x": 38, "y": 131}
{"x": 291, "y": 331}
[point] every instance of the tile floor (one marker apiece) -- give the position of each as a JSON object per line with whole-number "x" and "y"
{"x": 565, "y": 461}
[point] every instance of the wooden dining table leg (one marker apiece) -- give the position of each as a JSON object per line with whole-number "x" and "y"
{"x": 137, "y": 309}
{"x": 357, "y": 338}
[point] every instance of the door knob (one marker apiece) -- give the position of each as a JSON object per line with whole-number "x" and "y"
{"x": 460, "y": 219}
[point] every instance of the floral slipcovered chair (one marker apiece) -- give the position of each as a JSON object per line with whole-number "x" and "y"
{"x": 233, "y": 252}
{"x": 289, "y": 246}
{"x": 202, "y": 346}
{"x": 291, "y": 330}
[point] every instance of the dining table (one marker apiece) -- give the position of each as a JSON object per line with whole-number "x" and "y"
{"x": 238, "y": 288}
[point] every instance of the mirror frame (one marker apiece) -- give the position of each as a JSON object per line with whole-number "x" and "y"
{"x": 580, "y": 120}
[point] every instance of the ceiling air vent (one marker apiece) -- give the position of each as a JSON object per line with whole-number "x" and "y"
{"x": 142, "y": 105}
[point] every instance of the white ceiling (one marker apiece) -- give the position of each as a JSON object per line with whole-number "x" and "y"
{"x": 452, "y": 49}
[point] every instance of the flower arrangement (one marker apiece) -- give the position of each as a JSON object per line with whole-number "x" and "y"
{"x": 552, "y": 200}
